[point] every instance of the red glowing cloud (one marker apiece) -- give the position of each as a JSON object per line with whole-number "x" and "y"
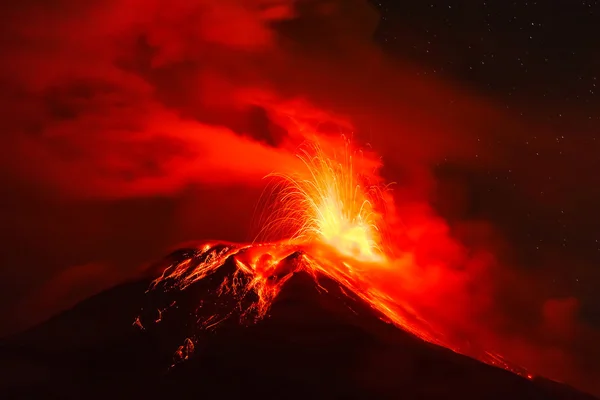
{"x": 147, "y": 102}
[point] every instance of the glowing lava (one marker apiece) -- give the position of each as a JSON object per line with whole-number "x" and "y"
{"x": 333, "y": 215}
{"x": 330, "y": 203}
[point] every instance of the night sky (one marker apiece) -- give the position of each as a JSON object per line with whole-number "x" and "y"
{"x": 133, "y": 126}
{"x": 518, "y": 51}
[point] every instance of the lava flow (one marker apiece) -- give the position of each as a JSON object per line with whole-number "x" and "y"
{"x": 332, "y": 214}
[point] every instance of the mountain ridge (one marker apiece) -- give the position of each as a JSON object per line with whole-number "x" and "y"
{"x": 317, "y": 340}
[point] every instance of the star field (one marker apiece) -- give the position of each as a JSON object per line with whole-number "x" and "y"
{"x": 510, "y": 48}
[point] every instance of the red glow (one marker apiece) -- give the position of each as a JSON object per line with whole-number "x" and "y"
{"x": 334, "y": 218}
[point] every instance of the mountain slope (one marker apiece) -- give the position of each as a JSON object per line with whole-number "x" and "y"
{"x": 317, "y": 341}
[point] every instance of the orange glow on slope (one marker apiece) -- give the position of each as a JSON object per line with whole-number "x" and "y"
{"x": 334, "y": 220}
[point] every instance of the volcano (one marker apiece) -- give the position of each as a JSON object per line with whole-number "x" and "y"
{"x": 335, "y": 307}
{"x": 208, "y": 328}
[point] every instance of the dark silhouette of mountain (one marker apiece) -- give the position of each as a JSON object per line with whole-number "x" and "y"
{"x": 316, "y": 342}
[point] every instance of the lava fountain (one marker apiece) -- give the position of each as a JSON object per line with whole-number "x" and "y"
{"x": 330, "y": 203}
{"x": 331, "y": 216}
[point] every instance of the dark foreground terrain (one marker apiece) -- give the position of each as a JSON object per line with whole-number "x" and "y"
{"x": 314, "y": 344}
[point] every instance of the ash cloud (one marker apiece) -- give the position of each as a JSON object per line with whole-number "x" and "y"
{"x": 130, "y": 126}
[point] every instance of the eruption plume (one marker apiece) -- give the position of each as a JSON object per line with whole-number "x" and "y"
{"x": 332, "y": 214}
